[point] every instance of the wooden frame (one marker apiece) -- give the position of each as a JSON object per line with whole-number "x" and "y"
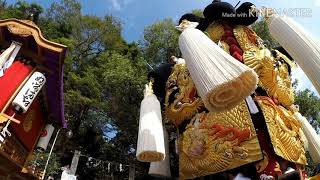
{"x": 28, "y": 28}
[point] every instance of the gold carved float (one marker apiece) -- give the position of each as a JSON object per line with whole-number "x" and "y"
{"x": 216, "y": 142}
{"x": 284, "y": 130}
{"x": 181, "y": 88}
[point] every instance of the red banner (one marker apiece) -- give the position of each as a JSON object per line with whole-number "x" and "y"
{"x": 11, "y": 80}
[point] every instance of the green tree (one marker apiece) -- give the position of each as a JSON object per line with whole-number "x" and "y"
{"x": 262, "y": 30}
{"x": 104, "y": 79}
{"x": 309, "y": 105}
{"x": 20, "y": 10}
{"x": 197, "y": 12}
{"x": 160, "y": 42}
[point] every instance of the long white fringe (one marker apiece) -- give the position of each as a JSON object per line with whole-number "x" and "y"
{"x": 150, "y": 138}
{"x": 222, "y": 81}
{"x": 312, "y": 137}
{"x": 8, "y": 56}
{"x": 303, "y": 48}
{"x": 162, "y": 168}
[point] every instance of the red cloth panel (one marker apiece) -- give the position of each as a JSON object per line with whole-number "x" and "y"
{"x": 11, "y": 80}
{"x": 31, "y": 125}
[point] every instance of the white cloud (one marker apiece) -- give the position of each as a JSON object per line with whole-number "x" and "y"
{"x": 119, "y": 4}
{"x": 116, "y": 5}
{"x": 317, "y": 3}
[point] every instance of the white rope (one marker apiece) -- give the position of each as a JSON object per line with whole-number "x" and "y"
{"x": 8, "y": 56}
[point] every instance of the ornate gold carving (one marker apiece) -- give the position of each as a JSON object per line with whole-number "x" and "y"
{"x": 3, "y": 118}
{"x": 284, "y": 131}
{"x": 225, "y": 46}
{"x": 26, "y": 28}
{"x": 253, "y": 58}
{"x": 27, "y": 123}
{"x": 316, "y": 177}
{"x": 19, "y": 31}
{"x": 261, "y": 165}
{"x": 273, "y": 74}
{"x": 182, "y": 90}
{"x": 216, "y": 142}
{"x": 279, "y": 56}
{"x": 215, "y": 31}
{"x": 246, "y": 38}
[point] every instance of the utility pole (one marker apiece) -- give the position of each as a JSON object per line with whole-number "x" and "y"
{"x": 75, "y": 161}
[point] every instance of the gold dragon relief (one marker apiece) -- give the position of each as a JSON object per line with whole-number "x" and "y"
{"x": 182, "y": 101}
{"x": 215, "y": 31}
{"x": 272, "y": 68}
{"x": 273, "y": 73}
{"x": 246, "y": 38}
{"x": 284, "y": 130}
{"x": 216, "y": 142}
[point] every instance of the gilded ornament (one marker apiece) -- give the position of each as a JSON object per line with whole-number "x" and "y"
{"x": 216, "y": 142}
{"x": 246, "y": 38}
{"x": 253, "y": 58}
{"x": 27, "y": 123}
{"x": 284, "y": 131}
{"x": 19, "y": 31}
{"x": 215, "y": 31}
{"x": 274, "y": 77}
{"x": 224, "y": 46}
{"x": 181, "y": 101}
{"x": 261, "y": 165}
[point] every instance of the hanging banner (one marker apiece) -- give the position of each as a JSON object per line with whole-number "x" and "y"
{"x": 45, "y": 137}
{"x": 14, "y": 77}
{"x": 29, "y": 91}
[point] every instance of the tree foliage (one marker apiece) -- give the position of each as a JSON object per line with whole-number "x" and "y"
{"x": 20, "y": 10}
{"x": 309, "y": 106}
{"x": 104, "y": 78}
{"x": 261, "y": 28}
{"x": 160, "y": 41}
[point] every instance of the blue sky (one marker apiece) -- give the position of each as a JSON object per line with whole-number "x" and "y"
{"x": 137, "y": 14}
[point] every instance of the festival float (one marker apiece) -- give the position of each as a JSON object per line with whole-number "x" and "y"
{"x": 31, "y": 95}
{"x": 228, "y": 103}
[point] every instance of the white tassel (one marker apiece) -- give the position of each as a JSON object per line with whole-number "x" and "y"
{"x": 221, "y": 80}
{"x": 303, "y": 48}
{"x": 252, "y": 106}
{"x": 150, "y": 138}
{"x": 304, "y": 139}
{"x": 312, "y": 137}
{"x": 162, "y": 168}
{"x": 8, "y": 56}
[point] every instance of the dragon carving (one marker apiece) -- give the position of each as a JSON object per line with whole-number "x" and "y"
{"x": 181, "y": 101}
{"x": 215, "y": 142}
